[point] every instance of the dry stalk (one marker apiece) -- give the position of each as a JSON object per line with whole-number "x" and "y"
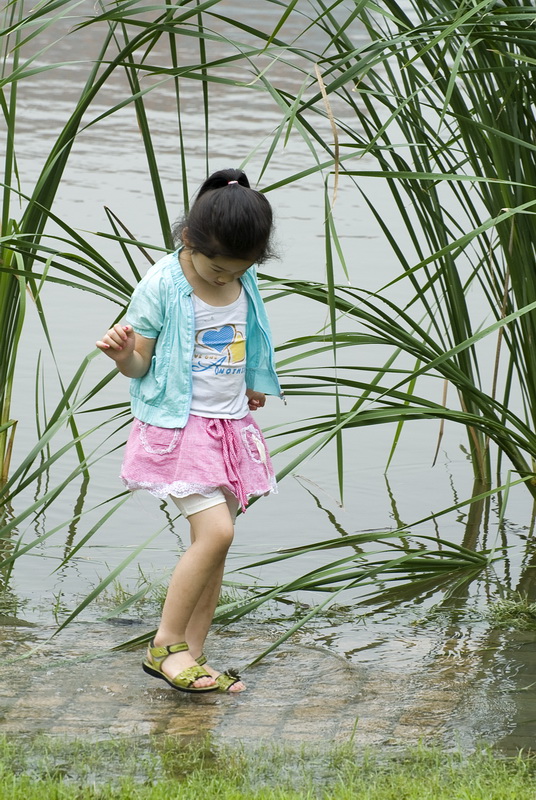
{"x": 442, "y": 423}
{"x": 331, "y": 118}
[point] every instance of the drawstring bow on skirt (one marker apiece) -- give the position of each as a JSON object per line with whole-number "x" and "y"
{"x": 223, "y": 431}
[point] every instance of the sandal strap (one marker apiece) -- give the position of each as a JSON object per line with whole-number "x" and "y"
{"x": 189, "y": 676}
{"x": 158, "y": 654}
{"x": 227, "y": 679}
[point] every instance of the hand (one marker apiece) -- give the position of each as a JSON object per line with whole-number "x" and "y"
{"x": 118, "y": 343}
{"x": 256, "y": 399}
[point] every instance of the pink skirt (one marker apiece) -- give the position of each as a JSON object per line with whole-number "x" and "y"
{"x": 205, "y": 455}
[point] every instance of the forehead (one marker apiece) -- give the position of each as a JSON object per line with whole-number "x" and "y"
{"x": 230, "y": 264}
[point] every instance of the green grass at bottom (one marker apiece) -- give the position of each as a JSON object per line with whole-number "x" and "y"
{"x": 160, "y": 768}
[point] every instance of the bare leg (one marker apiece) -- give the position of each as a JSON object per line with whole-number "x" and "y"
{"x": 201, "y": 619}
{"x": 203, "y": 614}
{"x": 192, "y": 580}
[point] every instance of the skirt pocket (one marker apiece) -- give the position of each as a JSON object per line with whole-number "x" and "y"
{"x": 254, "y": 444}
{"x": 158, "y": 441}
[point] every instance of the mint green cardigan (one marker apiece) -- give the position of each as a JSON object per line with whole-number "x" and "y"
{"x": 161, "y": 308}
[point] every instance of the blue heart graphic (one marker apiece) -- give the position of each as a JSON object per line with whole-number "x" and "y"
{"x": 218, "y": 338}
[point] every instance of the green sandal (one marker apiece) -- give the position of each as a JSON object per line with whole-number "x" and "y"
{"x": 226, "y": 679}
{"x": 183, "y": 681}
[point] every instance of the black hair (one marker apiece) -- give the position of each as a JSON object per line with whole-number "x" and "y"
{"x": 229, "y": 218}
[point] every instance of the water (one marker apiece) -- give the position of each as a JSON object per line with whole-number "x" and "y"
{"x": 108, "y": 168}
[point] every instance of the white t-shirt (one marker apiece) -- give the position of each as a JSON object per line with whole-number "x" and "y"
{"x": 219, "y": 359}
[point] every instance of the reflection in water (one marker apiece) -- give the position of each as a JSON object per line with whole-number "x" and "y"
{"x": 501, "y": 709}
{"x": 77, "y": 513}
{"x": 394, "y": 507}
{"x": 475, "y": 517}
{"x": 331, "y": 518}
{"x": 526, "y": 586}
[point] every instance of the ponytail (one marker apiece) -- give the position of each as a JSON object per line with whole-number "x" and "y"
{"x": 229, "y": 218}
{"x": 223, "y": 178}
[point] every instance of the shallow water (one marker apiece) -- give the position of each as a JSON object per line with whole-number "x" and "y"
{"x": 440, "y": 683}
{"x": 485, "y": 677}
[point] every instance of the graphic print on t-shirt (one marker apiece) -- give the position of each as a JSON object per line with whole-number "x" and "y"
{"x": 227, "y": 338}
{"x": 219, "y": 360}
{"x": 220, "y": 349}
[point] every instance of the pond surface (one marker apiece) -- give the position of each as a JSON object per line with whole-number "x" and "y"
{"x": 487, "y": 677}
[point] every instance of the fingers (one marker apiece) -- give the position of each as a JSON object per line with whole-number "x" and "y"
{"x": 115, "y": 339}
{"x": 256, "y": 400}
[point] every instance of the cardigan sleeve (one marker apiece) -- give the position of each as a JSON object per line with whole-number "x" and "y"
{"x": 146, "y": 310}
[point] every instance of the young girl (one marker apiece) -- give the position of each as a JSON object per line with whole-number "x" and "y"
{"x": 198, "y": 349}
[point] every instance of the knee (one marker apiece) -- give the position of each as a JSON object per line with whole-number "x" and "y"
{"x": 216, "y": 536}
{"x": 222, "y": 535}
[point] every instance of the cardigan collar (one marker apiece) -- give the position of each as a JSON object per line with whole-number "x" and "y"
{"x": 178, "y": 276}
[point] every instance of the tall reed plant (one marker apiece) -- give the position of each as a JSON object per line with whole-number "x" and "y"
{"x": 438, "y": 95}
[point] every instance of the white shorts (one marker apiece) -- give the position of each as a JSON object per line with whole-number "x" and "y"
{"x": 194, "y": 503}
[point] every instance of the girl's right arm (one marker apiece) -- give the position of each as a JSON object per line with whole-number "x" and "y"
{"x": 131, "y": 352}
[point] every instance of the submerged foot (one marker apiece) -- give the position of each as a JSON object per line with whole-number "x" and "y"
{"x": 227, "y": 682}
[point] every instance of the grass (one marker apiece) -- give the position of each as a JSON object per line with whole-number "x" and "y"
{"x": 516, "y": 611}
{"x": 159, "y": 767}
{"x": 148, "y": 595}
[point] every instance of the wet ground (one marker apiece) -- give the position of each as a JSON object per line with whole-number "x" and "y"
{"x": 74, "y": 685}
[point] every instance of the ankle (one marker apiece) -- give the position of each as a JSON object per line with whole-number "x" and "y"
{"x": 195, "y": 648}
{"x": 165, "y": 639}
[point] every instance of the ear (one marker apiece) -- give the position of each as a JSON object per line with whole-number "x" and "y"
{"x": 184, "y": 237}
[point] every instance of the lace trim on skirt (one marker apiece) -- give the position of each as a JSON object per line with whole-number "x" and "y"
{"x": 184, "y": 489}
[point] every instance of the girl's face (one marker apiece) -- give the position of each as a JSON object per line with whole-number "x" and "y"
{"x": 218, "y": 270}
